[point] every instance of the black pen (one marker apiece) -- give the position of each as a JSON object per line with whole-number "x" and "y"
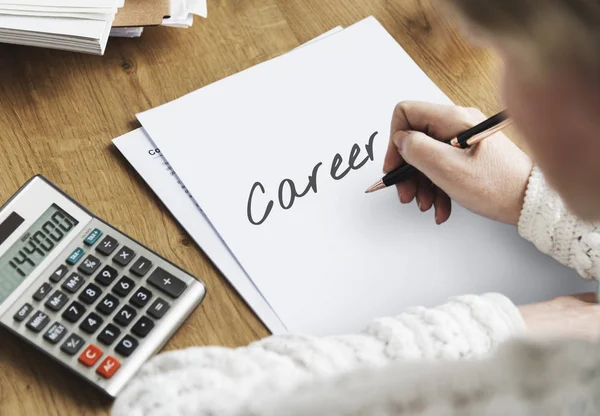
{"x": 463, "y": 141}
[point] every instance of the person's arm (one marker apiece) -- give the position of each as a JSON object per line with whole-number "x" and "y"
{"x": 494, "y": 179}
{"x": 265, "y": 376}
{"x": 548, "y": 224}
{"x": 523, "y": 378}
{"x": 220, "y": 381}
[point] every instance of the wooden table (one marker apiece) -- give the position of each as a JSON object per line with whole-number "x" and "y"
{"x": 59, "y": 112}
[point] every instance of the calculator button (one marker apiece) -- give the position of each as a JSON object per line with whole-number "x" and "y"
{"x": 142, "y": 327}
{"x": 55, "y": 333}
{"x": 123, "y": 286}
{"x": 107, "y": 305}
{"x": 158, "y": 308}
{"x": 73, "y": 283}
{"x": 140, "y": 297}
{"x": 90, "y": 355}
{"x": 125, "y": 315}
{"x": 92, "y": 237}
{"x": 124, "y": 256}
{"x": 89, "y": 265}
{"x": 23, "y": 312}
{"x": 127, "y": 345}
{"x": 107, "y": 245}
{"x": 75, "y": 255}
{"x": 57, "y": 301}
{"x": 74, "y": 312}
{"x": 72, "y": 345}
{"x": 38, "y": 321}
{"x": 106, "y": 276}
{"x": 141, "y": 266}
{"x": 59, "y": 273}
{"x": 166, "y": 282}
{"x": 90, "y": 294}
{"x": 109, "y": 334}
{"x": 108, "y": 367}
{"x": 91, "y": 323}
{"x": 42, "y": 292}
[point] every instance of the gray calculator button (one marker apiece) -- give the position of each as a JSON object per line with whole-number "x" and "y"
{"x": 124, "y": 256}
{"x": 56, "y": 301}
{"x": 55, "y": 333}
{"x": 73, "y": 283}
{"x": 106, "y": 276}
{"x": 59, "y": 274}
{"x": 141, "y": 297}
{"x": 127, "y": 345}
{"x": 89, "y": 265}
{"x": 141, "y": 266}
{"x": 109, "y": 334}
{"x": 125, "y": 315}
{"x": 42, "y": 292}
{"x": 72, "y": 345}
{"x": 107, "y": 245}
{"x": 158, "y": 308}
{"x": 23, "y": 312}
{"x": 142, "y": 327}
{"x": 165, "y": 281}
{"x": 73, "y": 312}
{"x": 107, "y": 305}
{"x": 90, "y": 294}
{"x": 38, "y": 321}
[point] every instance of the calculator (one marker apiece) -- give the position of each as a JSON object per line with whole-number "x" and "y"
{"x": 83, "y": 292}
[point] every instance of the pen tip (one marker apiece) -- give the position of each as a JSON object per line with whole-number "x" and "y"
{"x": 376, "y": 187}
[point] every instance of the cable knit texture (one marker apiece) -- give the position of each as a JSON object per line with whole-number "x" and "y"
{"x": 221, "y": 381}
{"x": 547, "y": 223}
{"x": 388, "y": 369}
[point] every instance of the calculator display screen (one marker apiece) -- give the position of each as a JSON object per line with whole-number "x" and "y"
{"x": 17, "y": 263}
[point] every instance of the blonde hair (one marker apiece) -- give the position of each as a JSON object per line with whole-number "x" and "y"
{"x": 555, "y": 32}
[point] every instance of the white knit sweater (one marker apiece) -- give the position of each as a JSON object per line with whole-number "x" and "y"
{"x": 390, "y": 368}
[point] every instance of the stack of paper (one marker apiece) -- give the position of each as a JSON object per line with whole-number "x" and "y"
{"x": 60, "y": 24}
{"x": 170, "y": 13}
{"x": 267, "y": 169}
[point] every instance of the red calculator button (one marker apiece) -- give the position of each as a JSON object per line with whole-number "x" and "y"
{"x": 90, "y": 355}
{"x": 108, "y": 367}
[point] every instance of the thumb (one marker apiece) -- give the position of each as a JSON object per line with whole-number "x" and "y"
{"x": 435, "y": 159}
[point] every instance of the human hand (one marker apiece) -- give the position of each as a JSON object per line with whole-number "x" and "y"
{"x": 576, "y": 316}
{"x": 490, "y": 179}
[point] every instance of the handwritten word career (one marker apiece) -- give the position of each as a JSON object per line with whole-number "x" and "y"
{"x": 255, "y": 208}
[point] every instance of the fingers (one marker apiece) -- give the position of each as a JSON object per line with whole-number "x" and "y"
{"x": 436, "y": 160}
{"x": 425, "y": 193}
{"x": 407, "y": 191}
{"x": 443, "y": 206}
{"x": 439, "y": 121}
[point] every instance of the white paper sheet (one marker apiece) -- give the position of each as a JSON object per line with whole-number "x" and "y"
{"x": 147, "y": 160}
{"x": 337, "y": 258}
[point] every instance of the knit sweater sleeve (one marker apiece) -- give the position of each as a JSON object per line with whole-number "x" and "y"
{"x": 222, "y": 381}
{"x": 547, "y": 223}
{"x": 523, "y": 378}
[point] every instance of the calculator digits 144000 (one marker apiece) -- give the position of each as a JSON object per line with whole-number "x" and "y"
{"x": 84, "y": 293}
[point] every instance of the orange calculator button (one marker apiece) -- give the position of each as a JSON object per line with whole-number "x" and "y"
{"x": 108, "y": 367}
{"x": 90, "y": 355}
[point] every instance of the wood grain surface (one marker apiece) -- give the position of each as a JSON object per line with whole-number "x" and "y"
{"x": 59, "y": 112}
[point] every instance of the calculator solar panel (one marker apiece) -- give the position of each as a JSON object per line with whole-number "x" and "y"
{"x": 84, "y": 293}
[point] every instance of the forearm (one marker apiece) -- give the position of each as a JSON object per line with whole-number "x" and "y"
{"x": 548, "y": 224}
{"x": 223, "y": 381}
{"x": 523, "y": 378}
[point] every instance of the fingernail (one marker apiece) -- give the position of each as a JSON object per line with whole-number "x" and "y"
{"x": 437, "y": 221}
{"x": 419, "y": 204}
